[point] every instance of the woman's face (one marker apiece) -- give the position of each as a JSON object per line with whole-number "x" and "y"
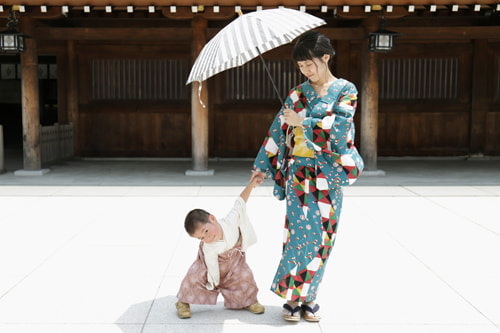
{"x": 315, "y": 68}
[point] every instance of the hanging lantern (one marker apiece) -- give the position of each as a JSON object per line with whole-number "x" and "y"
{"x": 382, "y": 40}
{"x": 12, "y": 41}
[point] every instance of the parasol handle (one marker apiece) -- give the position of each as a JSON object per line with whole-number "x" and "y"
{"x": 271, "y": 78}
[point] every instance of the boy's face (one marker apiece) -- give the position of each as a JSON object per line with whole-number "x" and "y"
{"x": 208, "y": 232}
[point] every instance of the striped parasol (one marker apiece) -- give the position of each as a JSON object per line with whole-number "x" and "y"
{"x": 249, "y": 36}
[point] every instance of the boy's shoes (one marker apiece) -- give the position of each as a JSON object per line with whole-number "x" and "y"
{"x": 256, "y": 308}
{"x": 183, "y": 310}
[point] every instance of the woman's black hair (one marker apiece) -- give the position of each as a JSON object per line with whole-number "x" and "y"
{"x": 312, "y": 44}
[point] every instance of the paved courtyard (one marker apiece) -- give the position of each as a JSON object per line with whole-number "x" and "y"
{"x": 99, "y": 246}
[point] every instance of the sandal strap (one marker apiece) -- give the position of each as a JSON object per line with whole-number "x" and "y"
{"x": 309, "y": 309}
{"x": 289, "y": 308}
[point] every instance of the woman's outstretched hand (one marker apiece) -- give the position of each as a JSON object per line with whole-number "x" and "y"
{"x": 292, "y": 118}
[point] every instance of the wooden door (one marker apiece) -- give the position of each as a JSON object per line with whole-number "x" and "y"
{"x": 133, "y": 99}
{"x": 491, "y": 100}
{"x": 425, "y": 100}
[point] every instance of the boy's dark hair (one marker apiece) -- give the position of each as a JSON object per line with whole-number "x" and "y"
{"x": 312, "y": 44}
{"x": 195, "y": 217}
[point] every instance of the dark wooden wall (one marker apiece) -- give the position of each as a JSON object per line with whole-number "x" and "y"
{"x": 438, "y": 97}
{"x": 435, "y": 100}
{"x": 133, "y": 99}
{"x": 488, "y": 89}
{"x": 244, "y": 109}
{"x": 425, "y": 99}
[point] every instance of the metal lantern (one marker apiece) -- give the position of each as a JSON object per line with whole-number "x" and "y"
{"x": 12, "y": 41}
{"x": 382, "y": 40}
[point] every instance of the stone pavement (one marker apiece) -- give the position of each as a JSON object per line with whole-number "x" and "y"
{"x": 99, "y": 246}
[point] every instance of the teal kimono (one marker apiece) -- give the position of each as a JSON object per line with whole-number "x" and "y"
{"x": 311, "y": 183}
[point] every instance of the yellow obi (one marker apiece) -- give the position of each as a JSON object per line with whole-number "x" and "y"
{"x": 300, "y": 148}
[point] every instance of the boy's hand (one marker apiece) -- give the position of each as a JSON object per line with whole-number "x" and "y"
{"x": 256, "y": 181}
{"x": 257, "y": 174}
{"x": 257, "y": 178}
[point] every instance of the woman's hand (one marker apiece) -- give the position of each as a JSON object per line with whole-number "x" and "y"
{"x": 292, "y": 118}
{"x": 256, "y": 179}
{"x": 257, "y": 176}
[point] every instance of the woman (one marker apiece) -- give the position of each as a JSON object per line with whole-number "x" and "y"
{"x": 309, "y": 152}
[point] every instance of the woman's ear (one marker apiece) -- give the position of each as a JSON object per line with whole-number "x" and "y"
{"x": 326, "y": 58}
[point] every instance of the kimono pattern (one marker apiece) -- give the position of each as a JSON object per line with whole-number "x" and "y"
{"x": 311, "y": 185}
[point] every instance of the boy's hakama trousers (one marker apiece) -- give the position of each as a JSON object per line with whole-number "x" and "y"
{"x": 237, "y": 283}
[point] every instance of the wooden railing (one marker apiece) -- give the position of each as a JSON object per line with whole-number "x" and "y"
{"x": 56, "y": 143}
{"x": 251, "y": 82}
{"x": 419, "y": 79}
{"x": 139, "y": 79}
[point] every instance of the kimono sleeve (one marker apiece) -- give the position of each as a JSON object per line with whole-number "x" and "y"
{"x": 267, "y": 159}
{"x": 272, "y": 156}
{"x": 333, "y": 131}
{"x": 212, "y": 263}
{"x": 242, "y": 223}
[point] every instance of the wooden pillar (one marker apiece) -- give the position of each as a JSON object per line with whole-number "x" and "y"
{"x": 2, "y": 156}
{"x": 199, "y": 114}
{"x": 32, "y": 159}
{"x": 72, "y": 99}
{"x": 369, "y": 101}
{"x": 479, "y": 99}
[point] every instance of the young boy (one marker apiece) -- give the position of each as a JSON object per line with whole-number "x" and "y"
{"x": 221, "y": 265}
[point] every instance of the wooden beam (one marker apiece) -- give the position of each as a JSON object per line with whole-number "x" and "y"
{"x": 159, "y": 34}
{"x": 116, "y": 34}
{"x": 459, "y": 32}
{"x": 34, "y": 12}
{"x": 358, "y": 12}
{"x": 343, "y": 33}
{"x": 243, "y": 3}
{"x": 182, "y": 34}
{"x": 183, "y": 13}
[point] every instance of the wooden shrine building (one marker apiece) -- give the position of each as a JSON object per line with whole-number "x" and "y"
{"x": 117, "y": 70}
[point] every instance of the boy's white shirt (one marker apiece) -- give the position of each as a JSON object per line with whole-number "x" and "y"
{"x": 232, "y": 225}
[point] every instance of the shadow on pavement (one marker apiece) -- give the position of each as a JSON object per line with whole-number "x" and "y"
{"x": 160, "y": 315}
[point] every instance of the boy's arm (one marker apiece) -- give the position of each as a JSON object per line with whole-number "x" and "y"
{"x": 254, "y": 182}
